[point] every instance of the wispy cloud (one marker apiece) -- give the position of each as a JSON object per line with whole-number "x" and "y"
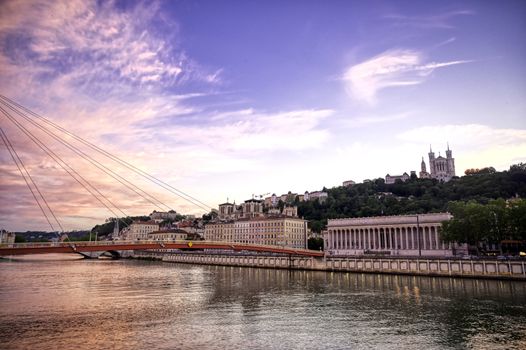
{"x": 439, "y": 21}
{"x": 394, "y": 68}
{"x": 94, "y": 47}
{"x": 377, "y": 119}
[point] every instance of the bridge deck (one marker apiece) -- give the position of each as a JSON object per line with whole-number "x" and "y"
{"x": 82, "y": 247}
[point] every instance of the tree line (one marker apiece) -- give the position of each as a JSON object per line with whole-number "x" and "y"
{"x": 415, "y": 196}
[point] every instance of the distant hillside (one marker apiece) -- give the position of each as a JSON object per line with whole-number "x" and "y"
{"x": 414, "y": 196}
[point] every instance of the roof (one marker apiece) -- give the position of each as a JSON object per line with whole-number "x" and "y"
{"x": 169, "y": 231}
{"x": 145, "y": 223}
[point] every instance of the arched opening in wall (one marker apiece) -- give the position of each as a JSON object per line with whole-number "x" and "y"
{"x": 110, "y": 254}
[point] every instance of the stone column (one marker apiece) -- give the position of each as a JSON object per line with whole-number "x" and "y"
{"x": 407, "y": 237}
{"x": 435, "y": 229}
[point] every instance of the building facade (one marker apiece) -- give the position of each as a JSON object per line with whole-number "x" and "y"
{"x": 404, "y": 235}
{"x": 391, "y": 179}
{"x": 139, "y": 230}
{"x": 159, "y": 216}
{"x": 281, "y": 231}
{"x": 168, "y": 235}
{"x": 7, "y": 237}
{"x": 440, "y": 168}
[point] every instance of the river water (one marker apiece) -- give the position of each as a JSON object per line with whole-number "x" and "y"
{"x": 128, "y": 304}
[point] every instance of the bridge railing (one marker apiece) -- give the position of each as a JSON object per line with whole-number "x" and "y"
{"x": 231, "y": 245}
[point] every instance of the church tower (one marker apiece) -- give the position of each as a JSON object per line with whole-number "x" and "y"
{"x": 432, "y": 169}
{"x": 423, "y": 171}
{"x": 440, "y": 168}
{"x": 450, "y": 162}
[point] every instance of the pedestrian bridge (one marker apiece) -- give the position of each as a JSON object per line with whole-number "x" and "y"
{"x": 85, "y": 248}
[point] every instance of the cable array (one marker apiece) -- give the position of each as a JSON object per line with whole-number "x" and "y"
{"x": 15, "y": 112}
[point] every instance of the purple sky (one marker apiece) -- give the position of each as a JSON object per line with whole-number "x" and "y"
{"x": 234, "y": 98}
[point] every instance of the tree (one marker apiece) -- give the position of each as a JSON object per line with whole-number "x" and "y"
{"x": 20, "y": 239}
{"x": 315, "y": 243}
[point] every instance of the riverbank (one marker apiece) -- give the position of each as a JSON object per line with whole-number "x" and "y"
{"x": 489, "y": 269}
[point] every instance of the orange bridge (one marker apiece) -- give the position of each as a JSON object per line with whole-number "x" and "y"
{"x": 107, "y": 246}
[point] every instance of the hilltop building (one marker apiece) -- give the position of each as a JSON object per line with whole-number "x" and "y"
{"x": 440, "y": 168}
{"x": 159, "y": 216}
{"x": 391, "y": 179}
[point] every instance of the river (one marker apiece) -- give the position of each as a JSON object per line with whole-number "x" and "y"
{"x": 130, "y": 304}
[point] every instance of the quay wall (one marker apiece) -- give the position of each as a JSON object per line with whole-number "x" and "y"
{"x": 494, "y": 269}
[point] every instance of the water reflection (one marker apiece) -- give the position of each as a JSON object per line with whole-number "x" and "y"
{"x": 133, "y": 305}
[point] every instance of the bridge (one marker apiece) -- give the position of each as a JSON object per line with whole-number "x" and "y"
{"x": 83, "y": 247}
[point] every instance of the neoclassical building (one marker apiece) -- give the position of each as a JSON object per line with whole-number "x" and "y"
{"x": 279, "y": 230}
{"x": 403, "y": 235}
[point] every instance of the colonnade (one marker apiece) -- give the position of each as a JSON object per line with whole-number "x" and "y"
{"x": 383, "y": 238}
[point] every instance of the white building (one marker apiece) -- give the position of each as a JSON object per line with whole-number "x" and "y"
{"x": 279, "y": 231}
{"x": 168, "y": 235}
{"x": 440, "y": 168}
{"x": 403, "y": 235}
{"x": 7, "y": 237}
{"x": 139, "y": 230}
{"x": 391, "y": 179}
{"x": 159, "y": 216}
{"x": 321, "y": 196}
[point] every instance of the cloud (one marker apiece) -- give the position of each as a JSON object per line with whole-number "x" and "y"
{"x": 439, "y": 21}
{"x": 476, "y": 145}
{"x": 394, "y": 68}
{"x": 92, "y": 47}
{"x": 376, "y": 119}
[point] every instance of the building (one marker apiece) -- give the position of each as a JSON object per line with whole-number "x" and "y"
{"x": 281, "y": 231}
{"x": 159, "y": 216}
{"x": 391, "y": 179}
{"x": 227, "y": 211}
{"x": 139, "y": 230}
{"x": 404, "y": 235}
{"x": 249, "y": 223}
{"x": 349, "y": 183}
{"x": 440, "y": 168}
{"x": 168, "y": 235}
{"x": 7, "y": 237}
{"x": 321, "y": 196}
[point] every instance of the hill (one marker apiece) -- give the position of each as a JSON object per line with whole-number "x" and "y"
{"x": 415, "y": 196}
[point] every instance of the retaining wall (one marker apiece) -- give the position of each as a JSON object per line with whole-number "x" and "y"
{"x": 429, "y": 267}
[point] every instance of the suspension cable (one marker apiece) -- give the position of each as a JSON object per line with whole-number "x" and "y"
{"x": 96, "y": 163}
{"x": 133, "y": 168}
{"x": 17, "y": 160}
{"x": 64, "y": 165}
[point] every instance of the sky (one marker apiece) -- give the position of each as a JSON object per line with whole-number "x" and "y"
{"x": 230, "y": 99}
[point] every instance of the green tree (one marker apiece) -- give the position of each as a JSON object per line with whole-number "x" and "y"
{"x": 315, "y": 243}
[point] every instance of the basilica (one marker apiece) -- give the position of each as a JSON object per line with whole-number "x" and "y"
{"x": 440, "y": 168}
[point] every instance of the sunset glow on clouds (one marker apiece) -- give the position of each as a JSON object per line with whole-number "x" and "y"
{"x": 237, "y": 98}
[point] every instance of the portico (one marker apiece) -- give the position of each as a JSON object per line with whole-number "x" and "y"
{"x": 403, "y": 235}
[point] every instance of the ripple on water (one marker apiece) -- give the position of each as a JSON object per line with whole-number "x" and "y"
{"x": 136, "y": 305}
